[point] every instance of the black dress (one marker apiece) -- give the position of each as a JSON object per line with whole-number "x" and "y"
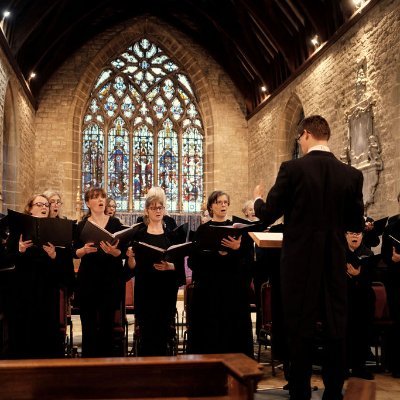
{"x": 361, "y": 306}
{"x": 155, "y": 297}
{"x": 101, "y": 289}
{"x": 392, "y": 283}
{"x": 34, "y": 302}
{"x": 220, "y": 320}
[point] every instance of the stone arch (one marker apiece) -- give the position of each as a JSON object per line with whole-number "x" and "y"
{"x": 9, "y": 152}
{"x": 292, "y": 115}
{"x": 174, "y": 44}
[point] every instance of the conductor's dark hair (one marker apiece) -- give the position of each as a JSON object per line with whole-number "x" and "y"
{"x": 316, "y": 125}
{"x": 213, "y": 199}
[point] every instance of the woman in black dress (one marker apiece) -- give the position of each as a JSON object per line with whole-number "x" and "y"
{"x": 65, "y": 254}
{"x": 220, "y": 311}
{"x": 101, "y": 280}
{"x": 156, "y": 283}
{"x": 34, "y": 329}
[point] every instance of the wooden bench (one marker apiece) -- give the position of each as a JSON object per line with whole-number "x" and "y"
{"x": 227, "y": 376}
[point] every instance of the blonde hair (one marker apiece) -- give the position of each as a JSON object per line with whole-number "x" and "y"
{"x": 246, "y": 205}
{"x": 159, "y": 192}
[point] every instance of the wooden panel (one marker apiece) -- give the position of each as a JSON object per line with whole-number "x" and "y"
{"x": 267, "y": 239}
{"x": 209, "y": 376}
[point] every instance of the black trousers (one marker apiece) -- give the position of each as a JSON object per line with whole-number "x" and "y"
{"x": 301, "y": 361}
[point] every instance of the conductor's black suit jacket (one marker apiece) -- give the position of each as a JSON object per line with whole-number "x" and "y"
{"x": 320, "y": 198}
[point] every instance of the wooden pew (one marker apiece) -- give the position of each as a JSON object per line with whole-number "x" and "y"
{"x": 227, "y": 376}
{"x": 360, "y": 389}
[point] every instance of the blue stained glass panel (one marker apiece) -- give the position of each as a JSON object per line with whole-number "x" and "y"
{"x": 143, "y": 156}
{"x": 110, "y": 106}
{"x": 94, "y": 106}
{"x": 159, "y": 107}
{"x": 134, "y": 93}
{"x": 168, "y": 164}
{"x": 176, "y": 109}
{"x": 168, "y": 89}
{"x": 192, "y": 170}
{"x": 127, "y": 107}
{"x": 118, "y": 163}
{"x": 119, "y": 86}
{"x": 160, "y": 59}
{"x": 129, "y": 57}
{"x": 92, "y": 157}
{"x": 103, "y": 92}
{"x": 118, "y": 63}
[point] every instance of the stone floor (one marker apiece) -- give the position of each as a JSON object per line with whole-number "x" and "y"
{"x": 270, "y": 387}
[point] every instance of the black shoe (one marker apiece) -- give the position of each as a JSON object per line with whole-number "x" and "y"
{"x": 396, "y": 373}
{"x": 362, "y": 373}
{"x": 286, "y": 387}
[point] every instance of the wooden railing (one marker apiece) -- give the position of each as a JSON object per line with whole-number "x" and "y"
{"x": 228, "y": 376}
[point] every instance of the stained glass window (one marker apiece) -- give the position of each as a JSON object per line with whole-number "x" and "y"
{"x": 142, "y": 127}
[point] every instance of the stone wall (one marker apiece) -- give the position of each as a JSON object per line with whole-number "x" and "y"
{"x": 63, "y": 99}
{"x": 17, "y": 140}
{"x": 328, "y": 87}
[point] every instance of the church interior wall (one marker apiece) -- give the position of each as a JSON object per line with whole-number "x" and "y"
{"x": 62, "y": 104}
{"x": 328, "y": 87}
{"x": 238, "y": 153}
{"x": 18, "y": 136}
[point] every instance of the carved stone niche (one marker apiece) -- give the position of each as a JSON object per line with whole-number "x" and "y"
{"x": 362, "y": 149}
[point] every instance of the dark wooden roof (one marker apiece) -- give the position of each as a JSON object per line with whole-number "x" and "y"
{"x": 257, "y": 42}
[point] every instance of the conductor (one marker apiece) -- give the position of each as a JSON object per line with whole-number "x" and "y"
{"x": 320, "y": 199}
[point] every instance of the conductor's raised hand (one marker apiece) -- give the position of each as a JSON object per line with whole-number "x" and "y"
{"x": 24, "y": 244}
{"x": 50, "y": 250}
{"x": 231, "y": 242}
{"x": 111, "y": 249}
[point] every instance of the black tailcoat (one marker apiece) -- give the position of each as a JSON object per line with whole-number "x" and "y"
{"x": 320, "y": 198}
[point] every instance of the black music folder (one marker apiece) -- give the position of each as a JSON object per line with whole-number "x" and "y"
{"x": 171, "y": 254}
{"x": 93, "y": 233}
{"x": 363, "y": 261}
{"x": 57, "y": 231}
{"x": 210, "y": 238}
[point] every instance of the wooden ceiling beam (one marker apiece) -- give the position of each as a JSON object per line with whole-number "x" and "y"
{"x": 276, "y": 36}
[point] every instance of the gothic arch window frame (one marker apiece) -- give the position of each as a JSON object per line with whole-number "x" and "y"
{"x": 183, "y": 86}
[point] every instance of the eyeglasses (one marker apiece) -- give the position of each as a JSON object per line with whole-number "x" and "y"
{"x": 354, "y": 233}
{"x": 110, "y": 206}
{"x": 222, "y": 202}
{"x": 41, "y": 204}
{"x": 58, "y": 202}
{"x": 159, "y": 208}
{"x": 300, "y": 135}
